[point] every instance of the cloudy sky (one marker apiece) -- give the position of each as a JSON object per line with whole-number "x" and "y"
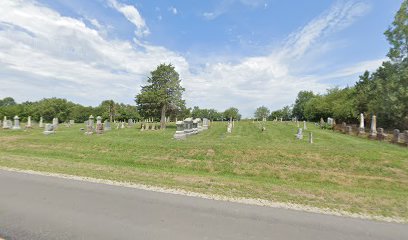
{"x": 242, "y": 53}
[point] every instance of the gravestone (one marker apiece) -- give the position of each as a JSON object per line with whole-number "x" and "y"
{"x": 180, "y": 134}
{"x": 229, "y": 128}
{"x": 299, "y": 134}
{"x": 349, "y": 130}
{"x": 396, "y": 136}
{"x": 130, "y": 122}
{"x": 28, "y": 122}
{"x": 304, "y": 125}
{"x": 55, "y": 122}
{"x": 199, "y": 125}
{"x": 373, "y": 129}
{"x": 205, "y": 124}
{"x": 99, "y": 125}
{"x": 361, "y": 129}
{"x": 322, "y": 123}
{"x": 49, "y": 129}
{"x": 406, "y": 137}
{"x": 107, "y": 126}
{"x": 330, "y": 121}
{"x": 72, "y": 122}
{"x": 310, "y": 137}
{"x": 41, "y": 124}
{"x": 188, "y": 126}
{"x": 380, "y": 134}
{"x": 16, "y": 125}
{"x": 90, "y": 126}
{"x": 5, "y": 123}
{"x": 195, "y": 126}
{"x": 122, "y": 125}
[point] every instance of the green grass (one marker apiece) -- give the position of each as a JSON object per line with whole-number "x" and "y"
{"x": 337, "y": 171}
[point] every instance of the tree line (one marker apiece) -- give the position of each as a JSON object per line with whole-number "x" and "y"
{"x": 65, "y": 110}
{"x": 383, "y": 93}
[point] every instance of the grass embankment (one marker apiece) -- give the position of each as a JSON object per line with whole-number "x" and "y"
{"x": 337, "y": 171}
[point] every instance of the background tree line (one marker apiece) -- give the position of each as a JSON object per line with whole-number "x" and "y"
{"x": 65, "y": 110}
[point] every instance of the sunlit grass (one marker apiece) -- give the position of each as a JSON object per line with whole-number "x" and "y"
{"x": 337, "y": 171}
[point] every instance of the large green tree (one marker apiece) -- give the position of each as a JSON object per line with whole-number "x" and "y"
{"x": 232, "y": 113}
{"x": 397, "y": 34}
{"x": 8, "y": 101}
{"x": 299, "y": 108}
{"x": 162, "y": 94}
{"x": 262, "y": 112}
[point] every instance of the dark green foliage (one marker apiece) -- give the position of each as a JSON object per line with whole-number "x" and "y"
{"x": 285, "y": 113}
{"x": 162, "y": 95}
{"x": 64, "y": 110}
{"x": 397, "y": 34}
{"x": 299, "y": 108}
{"x": 262, "y": 112}
{"x": 232, "y": 113}
{"x": 8, "y": 101}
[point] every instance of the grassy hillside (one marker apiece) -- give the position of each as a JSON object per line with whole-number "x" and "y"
{"x": 337, "y": 171}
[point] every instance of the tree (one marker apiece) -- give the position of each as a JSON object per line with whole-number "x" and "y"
{"x": 108, "y": 109}
{"x": 232, "y": 113}
{"x": 262, "y": 112}
{"x": 299, "y": 108}
{"x": 8, "y": 101}
{"x": 397, "y": 34}
{"x": 162, "y": 94}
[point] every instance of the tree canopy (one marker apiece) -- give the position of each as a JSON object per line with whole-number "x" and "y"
{"x": 397, "y": 34}
{"x": 262, "y": 112}
{"x": 162, "y": 94}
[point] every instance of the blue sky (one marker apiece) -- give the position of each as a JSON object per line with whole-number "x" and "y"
{"x": 242, "y": 53}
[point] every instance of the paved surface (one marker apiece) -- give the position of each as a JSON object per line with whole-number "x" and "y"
{"x": 39, "y": 207}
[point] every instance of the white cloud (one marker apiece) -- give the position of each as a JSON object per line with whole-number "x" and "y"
{"x": 44, "y": 54}
{"x": 275, "y": 79}
{"x": 224, "y": 5}
{"x": 173, "y": 10}
{"x": 133, "y": 15}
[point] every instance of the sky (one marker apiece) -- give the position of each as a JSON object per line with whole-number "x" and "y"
{"x": 229, "y": 53}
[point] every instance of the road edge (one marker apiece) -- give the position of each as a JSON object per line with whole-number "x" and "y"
{"x": 248, "y": 201}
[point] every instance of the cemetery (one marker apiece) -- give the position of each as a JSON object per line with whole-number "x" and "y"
{"x": 345, "y": 149}
{"x": 287, "y": 161}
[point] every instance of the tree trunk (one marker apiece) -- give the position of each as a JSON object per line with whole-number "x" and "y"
{"x": 163, "y": 118}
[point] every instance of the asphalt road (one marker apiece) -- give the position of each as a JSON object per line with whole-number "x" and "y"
{"x": 39, "y": 207}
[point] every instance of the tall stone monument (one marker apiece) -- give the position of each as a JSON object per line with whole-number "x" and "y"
{"x": 99, "y": 125}
{"x": 28, "y": 122}
{"x": 16, "y": 125}
{"x": 373, "y": 129}
{"x": 41, "y": 124}
{"x": 5, "y": 123}
{"x": 299, "y": 134}
{"x": 361, "y": 129}
{"x": 55, "y": 122}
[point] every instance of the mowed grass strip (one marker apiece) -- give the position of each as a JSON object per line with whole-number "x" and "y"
{"x": 337, "y": 171}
